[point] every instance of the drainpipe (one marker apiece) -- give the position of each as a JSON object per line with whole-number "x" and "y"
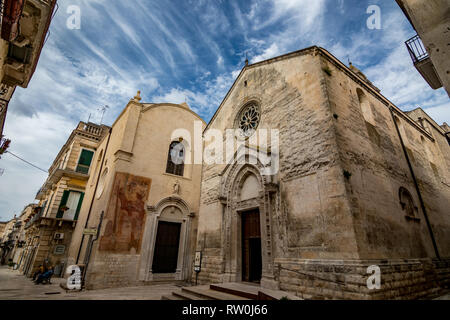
{"x": 422, "y": 204}
{"x": 93, "y": 196}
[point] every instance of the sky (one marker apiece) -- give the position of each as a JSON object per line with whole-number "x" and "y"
{"x": 192, "y": 50}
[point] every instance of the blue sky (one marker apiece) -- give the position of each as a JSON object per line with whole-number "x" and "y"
{"x": 188, "y": 50}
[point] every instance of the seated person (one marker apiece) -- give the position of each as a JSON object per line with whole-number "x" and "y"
{"x": 40, "y": 270}
{"x": 45, "y": 276}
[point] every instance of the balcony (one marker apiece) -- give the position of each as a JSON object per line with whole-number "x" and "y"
{"x": 24, "y": 26}
{"x": 422, "y": 62}
{"x": 90, "y": 130}
{"x": 35, "y": 217}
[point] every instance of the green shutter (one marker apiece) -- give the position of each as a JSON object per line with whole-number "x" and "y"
{"x": 86, "y": 157}
{"x": 64, "y": 198}
{"x": 79, "y": 206}
{"x": 85, "y": 161}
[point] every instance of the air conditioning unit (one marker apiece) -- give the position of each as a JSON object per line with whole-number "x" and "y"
{"x": 59, "y": 236}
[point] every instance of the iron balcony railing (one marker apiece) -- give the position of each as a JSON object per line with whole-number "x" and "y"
{"x": 416, "y": 49}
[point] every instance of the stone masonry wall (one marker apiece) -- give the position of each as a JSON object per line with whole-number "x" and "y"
{"x": 341, "y": 167}
{"x": 346, "y": 279}
{"x": 372, "y": 156}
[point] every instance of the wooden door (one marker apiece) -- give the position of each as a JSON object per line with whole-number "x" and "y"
{"x": 251, "y": 247}
{"x": 167, "y": 244}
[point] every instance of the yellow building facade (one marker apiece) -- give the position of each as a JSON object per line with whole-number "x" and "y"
{"x": 144, "y": 207}
{"x": 49, "y": 230}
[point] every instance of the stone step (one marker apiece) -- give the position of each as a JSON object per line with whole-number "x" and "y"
{"x": 171, "y": 297}
{"x": 186, "y": 295}
{"x": 236, "y": 289}
{"x": 252, "y": 291}
{"x": 229, "y": 291}
{"x": 206, "y": 293}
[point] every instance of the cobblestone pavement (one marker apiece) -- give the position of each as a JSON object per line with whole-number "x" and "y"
{"x": 15, "y": 286}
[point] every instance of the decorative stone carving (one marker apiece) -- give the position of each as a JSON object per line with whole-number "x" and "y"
{"x": 176, "y": 187}
{"x": 137, "y": 97}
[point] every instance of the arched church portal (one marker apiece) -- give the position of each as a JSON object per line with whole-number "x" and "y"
{"x": 248, "y": 200}
{"x": 167, "y": 241}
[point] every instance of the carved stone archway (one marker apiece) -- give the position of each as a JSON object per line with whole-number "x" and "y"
{"x": 234, "y": 206}
{"x": 170, "y": 209}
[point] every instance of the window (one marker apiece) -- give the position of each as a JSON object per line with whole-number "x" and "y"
{"x": 407, "y": 203}
{"x": 85, "y": 161}
{"x": 20, "y": 54}
{"x": 175, "y": 159}
{"x": 70, "y": 205}
{"x": 248, "y": 119}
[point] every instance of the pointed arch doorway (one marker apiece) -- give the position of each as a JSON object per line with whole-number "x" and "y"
{"x": 248, "y": 200}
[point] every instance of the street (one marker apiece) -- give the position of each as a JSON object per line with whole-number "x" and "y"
{"x": 15, "y": 286}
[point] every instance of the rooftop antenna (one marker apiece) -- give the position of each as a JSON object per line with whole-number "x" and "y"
{"x": 103, "y": 110}
{"x": 89, "y": 119}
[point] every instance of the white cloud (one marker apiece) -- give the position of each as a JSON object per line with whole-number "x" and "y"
{"x": 38, "y": 140}
{"x": 301, "y": 13}
{"x": 268, "y": 53}
{"x": 206, "y": 99}
{"x": 220, "y": 62}
{"x": 440, "y": 114}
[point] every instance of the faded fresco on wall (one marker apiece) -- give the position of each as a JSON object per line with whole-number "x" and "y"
{"x": 125, "y": 216}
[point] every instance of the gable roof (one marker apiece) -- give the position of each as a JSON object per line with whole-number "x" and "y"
{"x": 337, "y": 63}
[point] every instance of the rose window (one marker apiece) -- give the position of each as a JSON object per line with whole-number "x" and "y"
{"x": 249, "y": 119}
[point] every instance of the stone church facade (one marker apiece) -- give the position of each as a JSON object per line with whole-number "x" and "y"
{"x": 345, "y": 181}
{"x": 360, "y": 183}
{"x": 142, "y": 208}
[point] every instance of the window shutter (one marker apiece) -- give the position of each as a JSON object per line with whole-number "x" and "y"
{"x": 64, "y": 198}
{"x": 85, "y": 161}
{"x": 86, "y": 157}
{"x": 44, "y": 205}
{"x": 80, "y": 202}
